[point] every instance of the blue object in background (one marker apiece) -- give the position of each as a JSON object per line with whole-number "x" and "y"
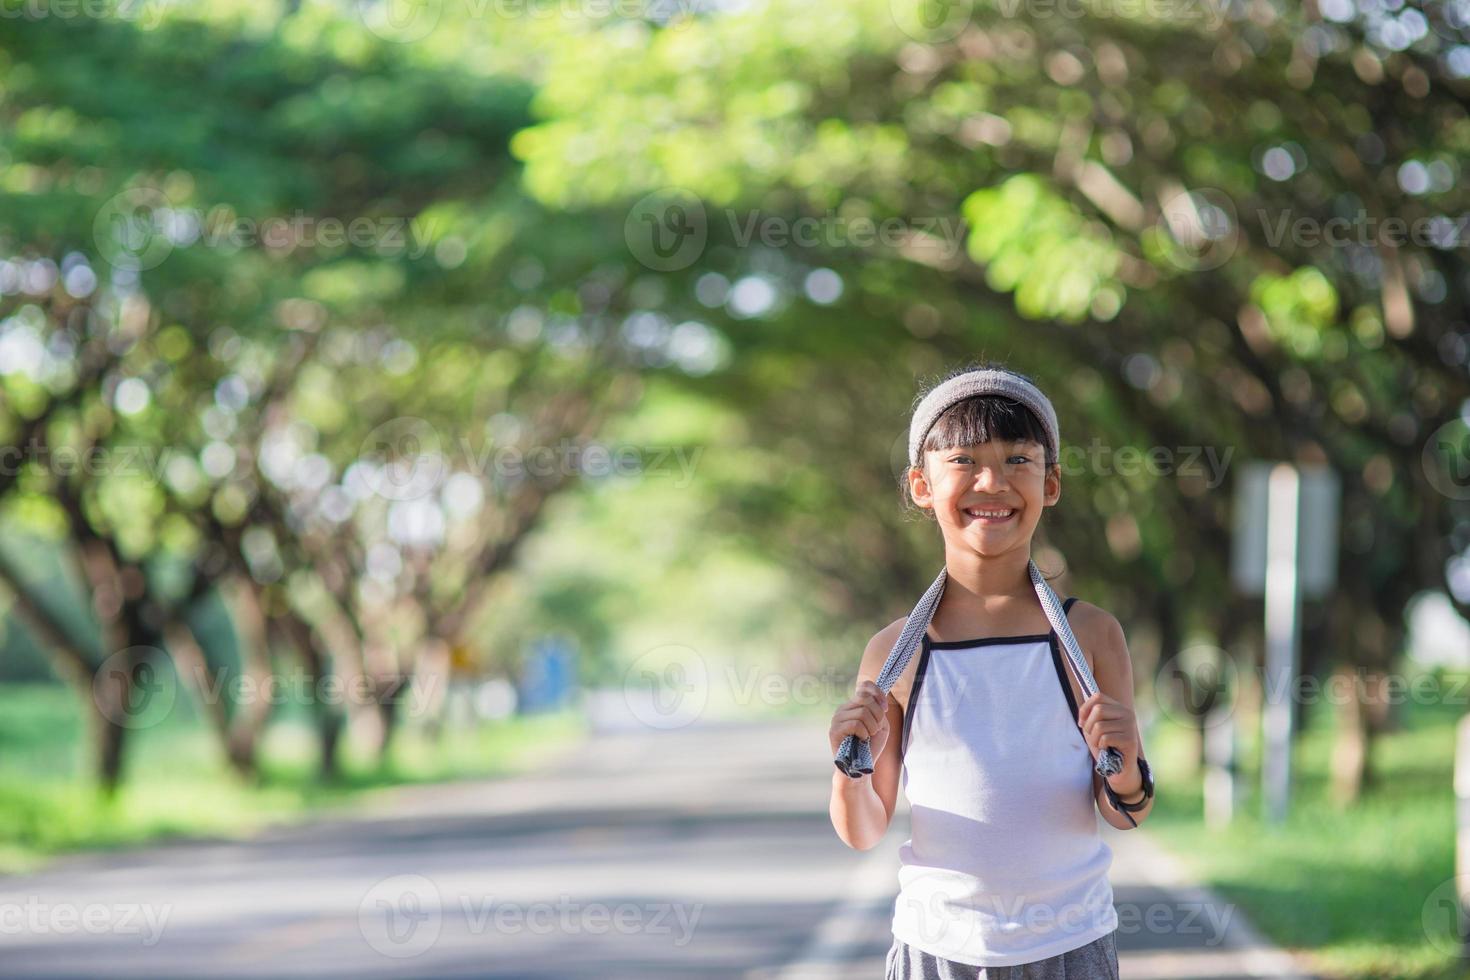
{"x": 549, "y": 677}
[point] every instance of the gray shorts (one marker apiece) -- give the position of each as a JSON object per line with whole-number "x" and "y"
{"x": 1098, "y": 960}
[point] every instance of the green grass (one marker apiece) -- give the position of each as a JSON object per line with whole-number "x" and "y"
{"x": 1350, "y": 886}
{"x": 178, "y": 784}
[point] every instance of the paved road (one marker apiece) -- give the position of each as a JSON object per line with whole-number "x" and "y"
{"x": 704, "y": 852}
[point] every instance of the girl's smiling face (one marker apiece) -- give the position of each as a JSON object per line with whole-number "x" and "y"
{"x": 985, "y": 475}
{"x": 987, "y": 496}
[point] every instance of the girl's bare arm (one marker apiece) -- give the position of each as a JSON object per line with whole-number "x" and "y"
{"x": 1113, "y": 669}
{"x": 862, "y": 808}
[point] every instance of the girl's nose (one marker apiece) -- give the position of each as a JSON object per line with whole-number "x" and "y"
{"x": 990, "y": 477}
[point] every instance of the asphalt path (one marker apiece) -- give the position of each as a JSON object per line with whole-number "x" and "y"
{"x": 703, "y": 851}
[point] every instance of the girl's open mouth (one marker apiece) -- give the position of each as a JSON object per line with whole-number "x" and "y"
{"x": 988, "y": 515}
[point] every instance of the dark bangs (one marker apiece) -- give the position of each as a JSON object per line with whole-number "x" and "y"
{"x": 977, "y": 420}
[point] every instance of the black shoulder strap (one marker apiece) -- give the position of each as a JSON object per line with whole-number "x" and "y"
{"x": 915, "y": 693}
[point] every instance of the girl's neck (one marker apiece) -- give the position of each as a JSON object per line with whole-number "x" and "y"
{"x": 974, "y": 580}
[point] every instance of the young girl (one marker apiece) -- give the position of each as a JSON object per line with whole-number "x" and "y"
{"x": 1005, "y": 874}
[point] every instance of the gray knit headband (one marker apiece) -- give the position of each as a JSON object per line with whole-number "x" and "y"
{"x": 990, "y": 381}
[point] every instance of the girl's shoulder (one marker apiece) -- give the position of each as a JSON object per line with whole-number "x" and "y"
{"x": 1098, "y": 631}
{"x": 1088, "y": 618}
{"x": 876, "y": 655}
{"x": 880, "y": 646}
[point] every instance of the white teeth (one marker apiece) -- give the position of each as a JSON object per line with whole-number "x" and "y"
{"x": 989, "y": 513}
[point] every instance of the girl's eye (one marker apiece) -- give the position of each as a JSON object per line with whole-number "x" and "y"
{"x": 959, "y": 459}
{"x": 1022, "y": 459}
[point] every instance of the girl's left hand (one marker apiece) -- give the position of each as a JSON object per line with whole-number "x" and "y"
{"x": 1106, "y": 723}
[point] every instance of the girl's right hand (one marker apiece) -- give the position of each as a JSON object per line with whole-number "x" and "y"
{"x": 865, "y": 716}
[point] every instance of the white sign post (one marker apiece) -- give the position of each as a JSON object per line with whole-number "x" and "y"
{"x": 1283, "y": 637}
{"x": 1285, "y": 548}
{"x": 1220, "y": 783}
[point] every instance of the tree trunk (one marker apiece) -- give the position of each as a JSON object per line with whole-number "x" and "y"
{"x": 300, "y": 635}
{"x": 388, "y": 694}
{"x": 112, "y": 691}
{"x": 110, "y": 739}
{"x": 248, "y": 719}
{"x": 1350, "y": 746}
{"x": 209, "y": 688}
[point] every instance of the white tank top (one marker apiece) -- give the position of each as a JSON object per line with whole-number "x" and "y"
{"x": 1004, "y": 865}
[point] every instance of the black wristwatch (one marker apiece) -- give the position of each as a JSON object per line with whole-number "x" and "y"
{"x": 1128, "y": 809}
